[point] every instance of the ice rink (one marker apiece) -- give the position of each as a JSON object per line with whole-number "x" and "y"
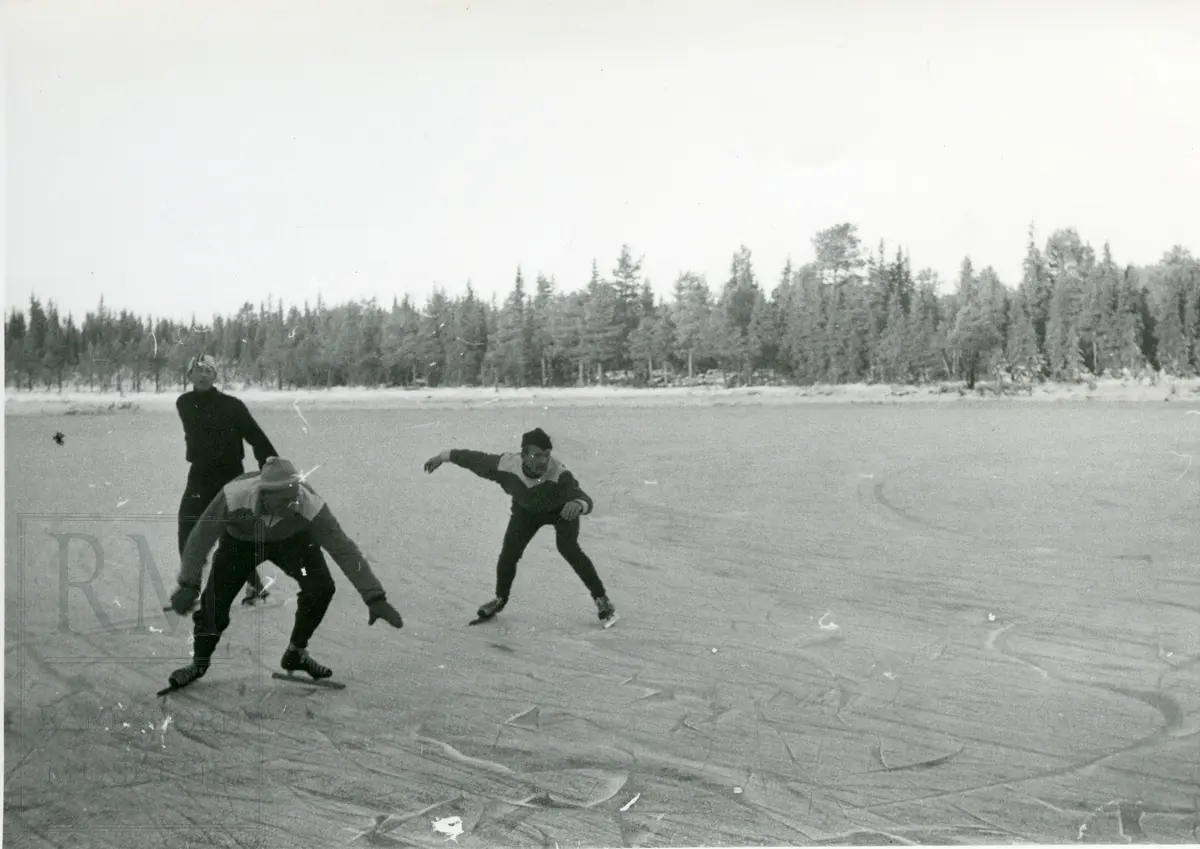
{"x": 840, "y": 624}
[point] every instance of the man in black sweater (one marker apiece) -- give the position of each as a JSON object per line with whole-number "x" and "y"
{"x": 214, "y": 426}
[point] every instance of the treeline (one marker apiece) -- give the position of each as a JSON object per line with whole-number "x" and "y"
{"x": 852, "y": 315}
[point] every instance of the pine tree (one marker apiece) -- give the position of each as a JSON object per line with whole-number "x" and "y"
{"x": 977, "y": 331}
{"x": 803, "y": 334}
{"x": 765, "y": 333}
{"x": 733, "y": 341}
{"x": 690, "y": 314}
{"x": 878, "y": 301}
{"x": 14, "y": 355}
{"x": 1128, "y": 345}
{"x": 1062, "y": 328}
{"x": 891, "y": 361}
{"x": 641, "y": 345}
{"x": 1169, "y": 283}
{"x": 627, "y": 294}
{"x": 1025, "y": 361}
{"x": 34, "y": 343}
{"x": 1038, "y": 291}
{"x": 603, "y": 335}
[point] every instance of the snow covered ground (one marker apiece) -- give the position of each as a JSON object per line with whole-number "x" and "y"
{"x": 75, "y": 401}
{"x": 841, "y": 623}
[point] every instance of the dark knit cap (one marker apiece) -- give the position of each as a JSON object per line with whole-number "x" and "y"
{"x": 537, "y": 437}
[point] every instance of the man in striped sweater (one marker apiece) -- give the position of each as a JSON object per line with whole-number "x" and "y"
{"x": 543, "y": 493}
{"x": 275, "y": 515}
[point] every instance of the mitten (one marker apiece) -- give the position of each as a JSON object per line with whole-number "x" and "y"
{"x": 572, "y": 510}
{"x": 184, "y": 598}
{"x": 381, "y": 608}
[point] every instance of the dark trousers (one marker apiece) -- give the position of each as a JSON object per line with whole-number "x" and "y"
{"x": 522, "y": 527}
{"x": 203, "y": 484}
{"x": 298, "y": 557}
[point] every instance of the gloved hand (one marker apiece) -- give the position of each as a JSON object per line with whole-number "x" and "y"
{"x": 381, "y": 608}
{"x": 571, "y": 510}
{"x": 184, "y": 599}
{"x": 433, "y": 462}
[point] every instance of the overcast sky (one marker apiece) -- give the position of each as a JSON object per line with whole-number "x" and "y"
{"x": 186, "y": 157}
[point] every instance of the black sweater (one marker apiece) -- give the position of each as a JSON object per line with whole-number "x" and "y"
{"x": 214, "y": 426}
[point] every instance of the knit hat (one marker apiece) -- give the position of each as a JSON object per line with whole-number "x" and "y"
{"x": 537, "y": 437}
{"x": 278, "y": 473}
{"x": 202, "y": 361}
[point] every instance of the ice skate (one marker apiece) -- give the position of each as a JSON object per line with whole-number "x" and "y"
{"x": 489, "y": 610}
{"x": 252, "y": 597}
{"x": 295, "y": 660}
{"x": 184, "y": 676}
{"x": 605, "y": 611}
{"x": 299, "y": 660}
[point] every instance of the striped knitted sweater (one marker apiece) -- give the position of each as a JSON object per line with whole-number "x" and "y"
{"x": 236, "y": 511}
{"x": 547, "y": 494}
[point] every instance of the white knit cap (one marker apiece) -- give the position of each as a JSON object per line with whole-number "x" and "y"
{"x": 202, "y": 361}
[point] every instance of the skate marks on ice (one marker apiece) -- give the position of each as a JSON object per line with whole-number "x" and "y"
{"x": 101, "y": 759}
{"x": 545, "y": 774}
{"x": 1151, "y": 776}
{"x": 991, "y": 644}
{"x": 495, "y": 804}
{"x": 804, "y": 758}
{"x": 876, "y": 492}
{"x": 951, "y": 715}
{"x": 773, "y": 755}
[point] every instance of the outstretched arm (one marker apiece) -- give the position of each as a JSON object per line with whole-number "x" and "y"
{"x": 254, "y": 435}
{"x": 328, "y": 533}
{"x": 201, "y": 541}
{"x": 330, "y": 536}
{"x": 480, "y": 463}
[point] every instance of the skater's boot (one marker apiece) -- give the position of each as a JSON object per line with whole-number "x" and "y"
{"x": 251, "y": 596}
{"x": 299, "y": 659}
{"x": 186, "y": 675}
{"x": 492, "y": 608}
{"x": 604, "y": 608}
{"x": 256, "y": 590}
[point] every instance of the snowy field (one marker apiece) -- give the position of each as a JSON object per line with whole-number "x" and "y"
{"x": 844, "y": 624}
{"x": 1125, "y": 390}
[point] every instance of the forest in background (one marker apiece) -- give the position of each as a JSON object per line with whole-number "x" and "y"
{"x": 854, "y": 314}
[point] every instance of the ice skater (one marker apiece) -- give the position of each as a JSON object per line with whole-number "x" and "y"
{"x": 543, "y": 493}
{"x": 214, "y": 426}
{"x": 275, "y": 515}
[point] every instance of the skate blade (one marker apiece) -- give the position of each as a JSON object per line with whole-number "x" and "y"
{"x": 479, "y": 619}
{"x": 612, "y": 620}
{"x": 315, "y": 682}
{"x": 172, "y": 688}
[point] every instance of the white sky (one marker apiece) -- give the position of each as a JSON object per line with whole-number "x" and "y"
{"x": 186, "y": 157}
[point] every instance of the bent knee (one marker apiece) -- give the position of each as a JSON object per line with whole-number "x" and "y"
{"x": 209, "y": 622}
{"x": 322, "y": 587}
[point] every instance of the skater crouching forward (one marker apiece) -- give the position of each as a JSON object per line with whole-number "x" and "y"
{"x": 271, "y": 515}
{"x": 543, "y": 493}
